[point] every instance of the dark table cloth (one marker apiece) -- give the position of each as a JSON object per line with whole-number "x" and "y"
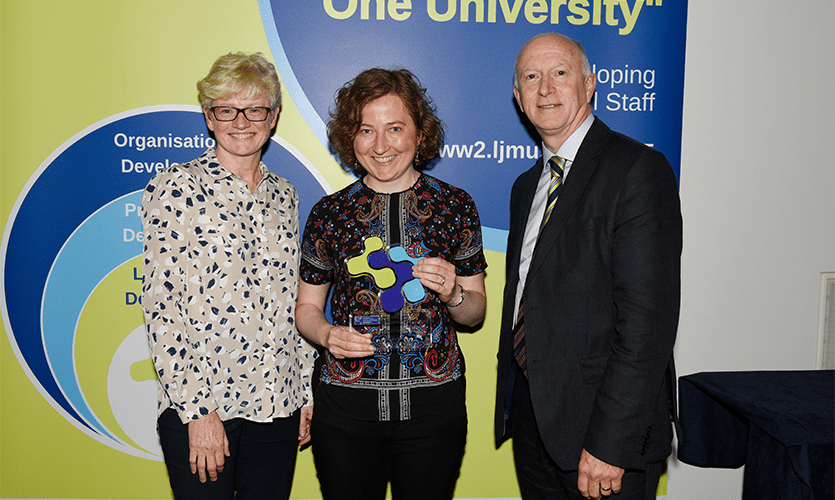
{"x": 779, "y": 424}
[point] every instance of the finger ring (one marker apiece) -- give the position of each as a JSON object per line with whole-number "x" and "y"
{"x": 605, "y": 489}
{"x": 443, "y": 282}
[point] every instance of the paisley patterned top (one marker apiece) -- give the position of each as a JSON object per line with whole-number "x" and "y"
{"x": 220, "y": 285}
{"x": 417, "y": 345}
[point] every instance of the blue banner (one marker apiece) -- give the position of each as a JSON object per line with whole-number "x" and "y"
{"x": 464, "y": 51}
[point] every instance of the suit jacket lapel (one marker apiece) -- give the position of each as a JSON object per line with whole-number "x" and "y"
{"x": 570, "y": 193}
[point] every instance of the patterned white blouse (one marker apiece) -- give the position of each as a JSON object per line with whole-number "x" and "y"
{"x": 220, "y": 284}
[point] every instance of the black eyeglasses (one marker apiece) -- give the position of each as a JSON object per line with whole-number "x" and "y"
{"x": 228, "y": 113}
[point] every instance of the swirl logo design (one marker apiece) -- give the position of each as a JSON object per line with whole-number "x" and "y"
{"x": 72, "y": 272}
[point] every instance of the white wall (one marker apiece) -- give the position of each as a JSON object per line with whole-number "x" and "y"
{"x": 758, "y": 195}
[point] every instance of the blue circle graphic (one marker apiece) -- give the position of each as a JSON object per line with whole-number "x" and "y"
{"x": 67, "y": 232}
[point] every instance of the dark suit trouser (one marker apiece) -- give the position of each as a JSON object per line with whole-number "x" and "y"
{"x": 541, "y": 479}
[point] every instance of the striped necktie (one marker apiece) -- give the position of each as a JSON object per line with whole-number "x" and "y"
{"x": 557, "y": 165}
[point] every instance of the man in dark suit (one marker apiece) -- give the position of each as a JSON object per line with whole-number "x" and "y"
{"x": 591, "y": 302}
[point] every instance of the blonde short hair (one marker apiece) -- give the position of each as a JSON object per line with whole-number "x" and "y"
{"x": 238, "y": 72}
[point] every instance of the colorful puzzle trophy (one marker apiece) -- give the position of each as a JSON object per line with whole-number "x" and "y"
{"x": 391, "y": 270}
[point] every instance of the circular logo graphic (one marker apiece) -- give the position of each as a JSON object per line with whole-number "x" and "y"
{"x": 71, "y": 267}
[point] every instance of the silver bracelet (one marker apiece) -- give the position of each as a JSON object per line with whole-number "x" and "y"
{"x": 460, "y": 299}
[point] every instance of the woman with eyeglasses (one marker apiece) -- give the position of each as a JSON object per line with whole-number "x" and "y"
{"x": 220, "y": 262}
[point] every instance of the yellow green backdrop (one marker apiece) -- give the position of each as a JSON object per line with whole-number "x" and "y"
{"x": 67, "y": 65}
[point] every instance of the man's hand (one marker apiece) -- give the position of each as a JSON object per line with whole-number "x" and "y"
{"x": 207, "y": 445}
{"x": 304, "y": 424}
{"x": 597, "y": 479}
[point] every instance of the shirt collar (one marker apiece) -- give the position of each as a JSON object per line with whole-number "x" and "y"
{"x": 569, "y": 148}
{"x": 218, "y": 170}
